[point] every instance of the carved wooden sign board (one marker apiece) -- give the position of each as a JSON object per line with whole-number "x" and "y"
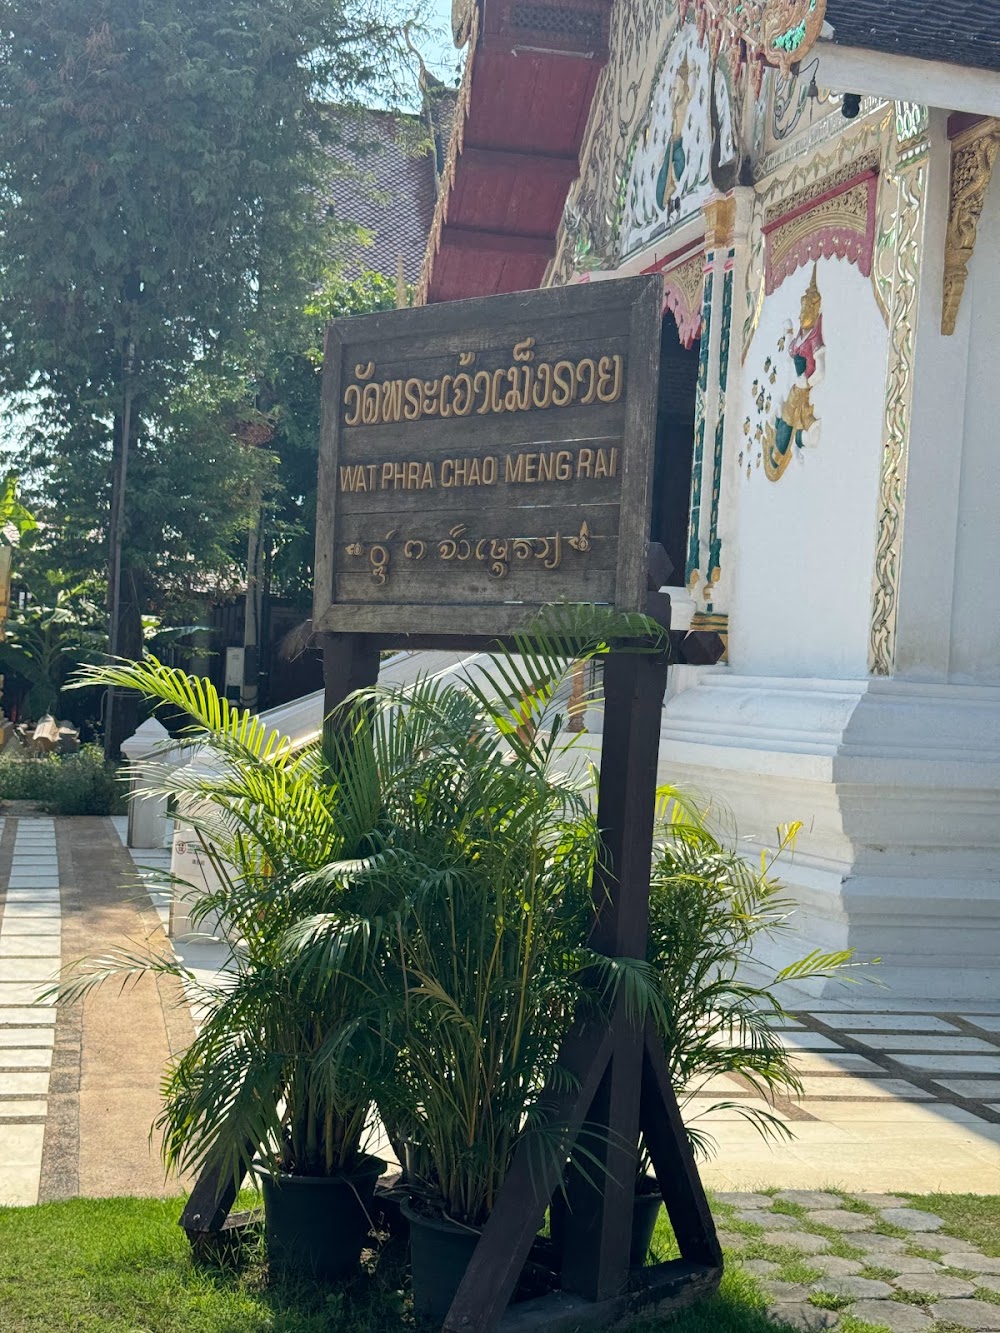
{"x": 481, "y": 459}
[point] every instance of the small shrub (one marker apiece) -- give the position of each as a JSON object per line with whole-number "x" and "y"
{"x": 73, "y": 784}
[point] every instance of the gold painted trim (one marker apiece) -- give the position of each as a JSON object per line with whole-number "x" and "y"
{"x": 718, "y": 623}
{"x": 973, "y": 156}
{"x": 720, "y": 222}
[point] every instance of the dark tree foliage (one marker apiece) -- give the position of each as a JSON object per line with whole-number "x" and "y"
{"x": 161, "y": 166}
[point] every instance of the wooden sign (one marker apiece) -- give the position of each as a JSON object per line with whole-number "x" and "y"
{"x": 481, "y": 459}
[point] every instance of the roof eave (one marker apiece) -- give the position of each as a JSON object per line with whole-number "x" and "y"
{"x": 902, "y": 78}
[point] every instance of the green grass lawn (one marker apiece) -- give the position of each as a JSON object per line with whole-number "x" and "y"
{"x": 124, "y": 1266}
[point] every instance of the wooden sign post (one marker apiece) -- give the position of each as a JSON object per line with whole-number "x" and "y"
{"x": 481, "y": 460}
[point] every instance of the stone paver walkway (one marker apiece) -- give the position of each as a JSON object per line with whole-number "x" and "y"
{"x": 899, "y": 1097}
{"x": 821, "y": 1256}
{"x": 79, "y": 1084}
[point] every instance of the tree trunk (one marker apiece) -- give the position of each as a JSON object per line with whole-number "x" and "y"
{"x": 125, "y": 715}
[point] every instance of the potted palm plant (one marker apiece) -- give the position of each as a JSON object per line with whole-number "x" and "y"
{"x": 490, "y": 857}
{"x": 290, "y": 1042}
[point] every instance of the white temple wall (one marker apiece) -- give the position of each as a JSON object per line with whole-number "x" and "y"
{"x": 803, "y": 548}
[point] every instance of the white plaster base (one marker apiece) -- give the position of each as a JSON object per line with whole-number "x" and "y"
{"x": 897, "y": 786}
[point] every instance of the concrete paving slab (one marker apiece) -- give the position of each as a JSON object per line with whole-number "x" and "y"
{"x": 874, "y": 1087}
{"x": 28, "y": 969}
{"x": 917, "y": 1041}
{"x": 981, "y": 1089}
{"x": 27, "y": 911}
{"x": 21, "y": 1108}
{"x": 30, "y": 946}
{"x": 952, "y": 1064}
{"x": 30, "y": 925}
{"x": 18, "y": 1038}
{"x": 876, "y": 1021}
{"x": 20, "y": 992}
{"x": 19, "y": 1185}
{"x": 27, "y": 1015}
{"x": 32, "y": 896}
{"x": 21, "y": 1145}
{"x": 35, "y": 1057}
{"x": 24, "y": 1083}
{"x": 988, "y": 1022}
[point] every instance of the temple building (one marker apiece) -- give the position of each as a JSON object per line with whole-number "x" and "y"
{"x": 813, "y": 181}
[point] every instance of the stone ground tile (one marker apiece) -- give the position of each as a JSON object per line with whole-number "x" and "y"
{"x": 994, "y": 1106}
{"x": 976, "y": 1315}
{"x": 912, "y": 1219}
{"x": 941, "y": 1241}
{"x": 738, "y": 1199}
{"x": 35, "y": 1084}
{"x": 988, "y": 1022}
{"x": 989, "y": 1282}
{"x": 926, "y": 1043}
{"x": 847, "y": 1085}
{"x": 809, "y": 1198}
{"x": 760, "y": 1267}
{"x": 732, "y": 1240}
{"x": 915, "y": 1115}
{"x": 30, "y": 946}
{"x": 19, "y": 1185}
{"x": 834, "y": 1062}
{"x": 779, "y": 1292}
{"x": 831, "y": 1265}
{"x": 797, "y": 1240}
{"x": 28, "y": 969}
{"x": 840, "y": 1219}
{"x": 874, "y": 1243}
{"x": 30, "y": 925}
{"x": 936, "y": 1284}
{"x": 975, "y": 1089}
{"x": 803, "y": 1317}
{"x": 890, "y": 1314}
{"x": 910, "y": 1265}
{"x": 970, "y": 1261}
{"x": 13, "y": 1110}
{"x": 881, "y": 1200}
{"x": 19, "y": 1038}
{"x": 758, "y": 1217}
{"x": 29, "y": 1016}
{"x": 952, "y": 1064}
{"x": 20, "y": 1145}
{"x": 808, "y": 1041}
{"x": 35, "y": 1057}
{"x": 854, "y": 1288}
{"x": 852, "y": 1022}
{"x": 783, "y": 1023}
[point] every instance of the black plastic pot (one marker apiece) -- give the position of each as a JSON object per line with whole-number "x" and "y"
{"x": 645, "y": 1211}
{"x": 439, "y": 1255}
{"x": 315, "y": 1226}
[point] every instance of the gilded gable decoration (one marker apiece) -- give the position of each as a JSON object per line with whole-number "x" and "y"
{"x": 837, "y": 222}
{"x": 973, "y": 157}
{"x": 771, "y": 32}
{"x": 683, "y": 288}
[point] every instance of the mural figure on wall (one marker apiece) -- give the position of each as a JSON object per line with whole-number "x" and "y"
{"x": 687, "y": 126}
{"x": 675, "y": 157}
{"x": 791, "y": 426}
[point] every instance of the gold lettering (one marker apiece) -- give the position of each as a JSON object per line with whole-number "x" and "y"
{"x": 392, "y": 399}
{"x": 411, "y": 393}
{"x": 609, "y": 379}
{"x": 546, "y": 466}
{"x": 587, "y": 364}
{"x": 370, "y": 405}
{"x": 601, "y": 463}
{"x": 489, "y": 470}
{"x": 444, "y": 406}
{"x": 531, "y": 467}
{"x": 371, "y": 477}
{"x": 496, "y": 394}
{"x": 412, "y": 476}
{"x": 447, "y": 468}
{"x": 518, "y": 397}
{"x": 463, "y": 383}
{"x": 614, "y": 462}
{"x": 541, "y": 394}
{"x": 386, "y": 475}
{"x": 483, "y": 381}
{"x": 353, "y": 417}
{"x": 430, "y": 399}
{"x": 551, "y": 552}
{"x": 346, "y": 478}
{"x": 427, "y": 478}
{"x": 584, "y": 462}
{"x": 499, "y": 559}
{"x": 564, "y": 465}
{"x": 379, "y": 558}
{"x": 565, "y": 383}
{"x": 514, "y": 471}
{"x": 414, "y": 550}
